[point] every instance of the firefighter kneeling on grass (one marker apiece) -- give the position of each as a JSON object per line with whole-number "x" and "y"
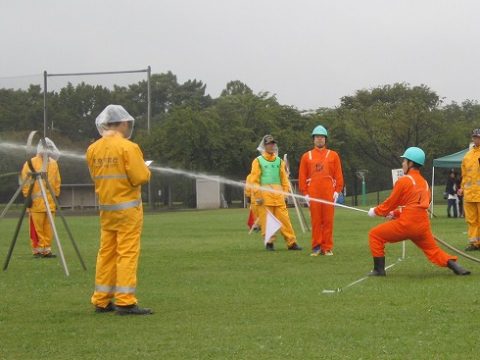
{"x": 268, "y": 171}
{"x": 412, "y": 194}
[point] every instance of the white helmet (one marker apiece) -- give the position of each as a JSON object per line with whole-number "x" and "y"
{"x": 114, "y": 114}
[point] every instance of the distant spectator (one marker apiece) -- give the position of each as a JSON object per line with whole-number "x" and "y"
{"x": 451, "y": 190}
{"x": 458, "y": 178}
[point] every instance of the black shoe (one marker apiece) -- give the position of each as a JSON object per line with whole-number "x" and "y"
{"x": 100, "y": 310}
{"x": 377, "y": 273}
{"x": 270, "y": 247}
{"x": 457, "y": 269}
{"x": 472, "y": 248}
{"x": 37, "y": 256}
{"x": 294, "y": 247}
{"x": 132, "y": 310}
{"x": 49, "y": 256}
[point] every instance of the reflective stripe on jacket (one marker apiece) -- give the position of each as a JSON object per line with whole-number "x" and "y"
{"x": 52, "y": 175}
{"x": 118, "y": 170}
{"x": 411, "y": 192}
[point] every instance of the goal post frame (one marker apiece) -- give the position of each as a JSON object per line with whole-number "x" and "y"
{"x": 45, "y": 92}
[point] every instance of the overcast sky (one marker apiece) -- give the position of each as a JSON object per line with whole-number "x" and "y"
{"x": 309, "y": 53}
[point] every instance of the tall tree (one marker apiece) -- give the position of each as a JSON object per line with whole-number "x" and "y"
{"x": 73, "y": 110}
{"x": 383, "y": 122}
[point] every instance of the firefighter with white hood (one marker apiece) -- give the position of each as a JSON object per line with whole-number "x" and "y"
{"x": 118, "y": 171}
{"x": 268, "y": 173}
{"x": 41, "y": 231}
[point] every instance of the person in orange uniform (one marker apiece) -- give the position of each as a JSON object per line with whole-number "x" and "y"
{"x": 470, "y": 191}
{"x": 41, "y": 231}
{"x": 411, "y": 193}
{"x": 268, "y": 172}
{"x": 320, "y": 176}
{"x": 118, "y": 171}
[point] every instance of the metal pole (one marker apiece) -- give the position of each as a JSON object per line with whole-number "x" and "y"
{"x": 40, "y": 178}
{"x": 149, "y": 107}
{"x": 150, "y": 197}
{"x": 433, "y": 183}
{"x": 364, "y": 202}
{"x": 45, "y": 103}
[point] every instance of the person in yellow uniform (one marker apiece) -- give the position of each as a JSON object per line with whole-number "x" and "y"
{"x": 41, "y": 231}
{"x": 470, "y": 190}
{"x": 118, "y": 171}
{"x": 253, "y": 205}
{"x": 268, "y": 172}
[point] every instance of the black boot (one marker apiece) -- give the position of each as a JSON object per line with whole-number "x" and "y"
{"x": 457, "y": 269}
{"x": 378, "y": 267}
{"x": 294, "y": 247}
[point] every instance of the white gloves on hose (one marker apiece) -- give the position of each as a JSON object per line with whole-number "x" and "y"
{"x": 335, "y": 196}
{"x": 307, "y": 200}
{"x": 371, "y": 212}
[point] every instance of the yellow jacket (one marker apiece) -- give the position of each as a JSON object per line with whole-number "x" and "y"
{"x": 118, "y": 170}
{"x": 249, "y": 190}
{"x": 276, "y": 198}
{"x": 53, "y": 177}
{"x": 471, "y": 175}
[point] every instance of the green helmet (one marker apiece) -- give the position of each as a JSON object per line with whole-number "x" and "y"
{"x": 414, "y": 154}
{"x": 320, "y": 130}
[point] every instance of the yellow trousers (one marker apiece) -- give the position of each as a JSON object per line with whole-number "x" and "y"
{"x": 254, "y": 208}
{"x": 44, "y": 232}
{"x": 472, "y": 217}
{"x": 117, "y": 259}
{"x": 281, "y": 213}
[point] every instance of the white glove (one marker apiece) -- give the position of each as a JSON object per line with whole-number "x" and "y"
{"x": 390, "y": 216}
{"x": 371, "y": 212}
{"x": 335, "y": 196}
{"x": 259, "y": 201}
{"x": 307, "y": 200}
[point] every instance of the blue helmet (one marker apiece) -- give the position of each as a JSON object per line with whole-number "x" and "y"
{"x": 414, "y": 154}
{"x": 320, "y": 130}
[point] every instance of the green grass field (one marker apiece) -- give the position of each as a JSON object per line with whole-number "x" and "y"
{"x": 217, "y": 294}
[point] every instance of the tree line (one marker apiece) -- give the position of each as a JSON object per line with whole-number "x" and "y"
{"x": 191, "y": 131}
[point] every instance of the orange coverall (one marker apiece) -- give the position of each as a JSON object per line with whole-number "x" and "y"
{"x": 411, "y": 192}
{"x": 273, "y": 201}
{"x": 118, "y": 170}
{"x": 38, "y": 211}
{"x": 320, "y": 175}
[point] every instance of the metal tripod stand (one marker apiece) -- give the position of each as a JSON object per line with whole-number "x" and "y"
{"x": 41, "y": 177}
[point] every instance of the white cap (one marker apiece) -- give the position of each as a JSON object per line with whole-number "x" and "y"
{"x": 113, "y": 114}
